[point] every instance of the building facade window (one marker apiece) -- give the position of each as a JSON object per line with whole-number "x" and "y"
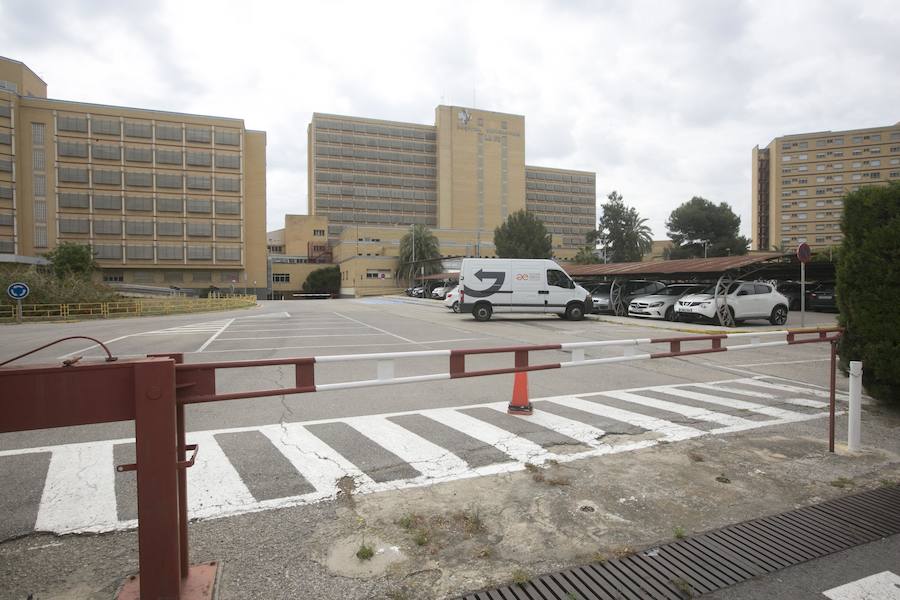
{"x": 281, "y": 277}
{"x": 37, "y": 134}
{"x": 107, "y": 202}
{"x": 108, "y": 252}
{"x": 105, "y": 126}
{"x": 229, "y": 253}
{"x": 138, "y": 129}
{"x": 199, "y": 252}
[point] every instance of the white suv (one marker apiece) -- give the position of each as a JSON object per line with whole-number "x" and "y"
{"x": 745, "y": 300}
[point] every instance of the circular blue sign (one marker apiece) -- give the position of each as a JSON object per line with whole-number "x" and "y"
{"x": 18, "y": 290}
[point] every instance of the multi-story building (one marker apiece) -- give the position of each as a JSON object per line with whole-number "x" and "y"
{"x": 465, "y": 173}
{"x": 461, "y": 177}
{"x": 163, "y": 198}
{"x": 799, "y": 182}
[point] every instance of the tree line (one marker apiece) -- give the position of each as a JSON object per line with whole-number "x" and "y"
{"x": 698, "y": 228}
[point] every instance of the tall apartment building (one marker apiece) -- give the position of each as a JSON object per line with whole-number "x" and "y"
{"x": 163, "y": 198}
{"x": 461, "y": 177}
{"x": 799, "y": 182}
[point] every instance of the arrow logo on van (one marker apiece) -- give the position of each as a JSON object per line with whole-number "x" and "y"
{"x": 498, "y": 276}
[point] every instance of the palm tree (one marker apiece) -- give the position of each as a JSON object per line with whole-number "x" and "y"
{"x": 419, "y": 249}
{"x": 637, "y": 237}
{"x": 586, "y": 256}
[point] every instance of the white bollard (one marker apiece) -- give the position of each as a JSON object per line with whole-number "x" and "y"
{"x": 855, "y": 401}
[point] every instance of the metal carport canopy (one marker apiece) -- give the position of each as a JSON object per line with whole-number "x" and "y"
{"x": 686, "y": 267}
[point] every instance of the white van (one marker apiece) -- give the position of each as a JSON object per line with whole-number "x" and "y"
{"x": 519, "y": 285}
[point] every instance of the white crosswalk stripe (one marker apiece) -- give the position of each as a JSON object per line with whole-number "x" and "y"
{"x": 79, "y": 491}
{"x": 80, "y": 477}
{"x": 692, "y": 412}
{"x": 214, "y": 486}
{"x": 429, "y": 459}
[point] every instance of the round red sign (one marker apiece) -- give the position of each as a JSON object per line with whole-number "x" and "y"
{"x": 804, "y": 253}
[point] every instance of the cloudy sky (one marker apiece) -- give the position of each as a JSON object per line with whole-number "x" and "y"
{"x": 663, "y": 100}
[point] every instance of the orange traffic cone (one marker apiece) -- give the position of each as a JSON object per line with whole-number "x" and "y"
{"x": 520, "y": 404}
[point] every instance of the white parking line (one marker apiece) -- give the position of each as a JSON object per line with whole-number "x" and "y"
{"x": 399, "y": 337}
{"x": 784, "y": 362}
{"x": 215, "y": 335}
{"x": 292, "y": 337}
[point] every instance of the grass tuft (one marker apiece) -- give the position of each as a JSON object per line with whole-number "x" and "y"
{"x": 520, "y": 577}
{"x": 365, "y": 552}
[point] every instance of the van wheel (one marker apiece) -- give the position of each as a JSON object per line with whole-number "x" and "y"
{"x": 575, "y": 311}
{"x": 455, "y": 307}
{"x": 482, "y": 311}
{"x": 779, "y": 315}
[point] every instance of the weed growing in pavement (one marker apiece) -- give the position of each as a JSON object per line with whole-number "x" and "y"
{"x": 365, "y": 552}
{"x": 559, "y": 481}
{"x": 572, "y": 596}
{"x": 598, "y": 557}
{"x": 470, "y": 520}
{"x": 520, "y": 577}
{"x": 409, "y": 520}
{"x": 842, "y": 482}
{"x": 887, "y": 483}
{"x": 535, "y": 471}
{"x": 621, "y": 552}
{"x": 420, "y": 537}
{"x": 679, "y": 532}
{"x": 684, "y": 587}
{"x": 485, "y": 552}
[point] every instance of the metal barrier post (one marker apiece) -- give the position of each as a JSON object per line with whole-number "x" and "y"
{"x": 853, "y": 427}
{"x": 155, "y": 426}
{"x": 831, "y": 393}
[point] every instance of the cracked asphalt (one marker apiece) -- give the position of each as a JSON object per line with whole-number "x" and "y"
{"x": 528, "y": 519}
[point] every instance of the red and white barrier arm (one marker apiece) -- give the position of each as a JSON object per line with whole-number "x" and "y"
{"x": 196, "y": 381}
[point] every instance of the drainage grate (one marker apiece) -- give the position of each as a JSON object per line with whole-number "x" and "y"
{"x": 721, "y": 558}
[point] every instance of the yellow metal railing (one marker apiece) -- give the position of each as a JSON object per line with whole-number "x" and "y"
{"x": 123, "y": 308}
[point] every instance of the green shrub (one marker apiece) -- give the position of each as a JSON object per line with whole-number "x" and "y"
{"x": 868, "y": 282}
{"x": 326, "y": 280}
{"x": 46, "y": 288}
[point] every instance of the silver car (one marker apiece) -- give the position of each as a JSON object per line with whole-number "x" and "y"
{"x": 661, "y": 305}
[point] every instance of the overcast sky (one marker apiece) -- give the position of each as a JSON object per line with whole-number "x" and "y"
{"x": 663, "y": 100}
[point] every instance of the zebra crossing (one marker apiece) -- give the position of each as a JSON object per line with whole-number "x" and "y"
{"x": 74, "y": 487}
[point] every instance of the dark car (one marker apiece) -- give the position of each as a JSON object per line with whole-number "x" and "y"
{"x": 822, "y": 298}
{"x": 791, "y": 291}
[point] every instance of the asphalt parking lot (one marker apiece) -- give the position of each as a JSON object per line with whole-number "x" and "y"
{"x": 639, "y": 443}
